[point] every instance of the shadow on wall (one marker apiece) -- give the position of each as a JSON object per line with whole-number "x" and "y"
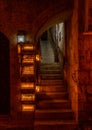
{"x": 4, "y": 75}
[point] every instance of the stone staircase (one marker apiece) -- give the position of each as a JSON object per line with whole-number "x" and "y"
{"x": 53, "y": 107}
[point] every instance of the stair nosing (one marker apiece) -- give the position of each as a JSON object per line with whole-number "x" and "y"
{"x": 58, "y": 122}
{"x": 53, "y": 110}
{"x": 52, "y": 93}
{"x": 58, "y": 100}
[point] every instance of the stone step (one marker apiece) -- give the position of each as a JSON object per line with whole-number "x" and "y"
{"x": 52, "y": 82}
{"x": 50, "y": 65}
{"x": 51, "y": 96}
{"x": 47, "y": 71}
{"x": 51, "y": 68}
{"x": 54, "y": 114}
{"x": 51, "y": 76}
{"x": 55, "y": 125}
{"x": 55, "y": 104}
{"x": 52, "y": 88}
{"x": 45, "y": 65}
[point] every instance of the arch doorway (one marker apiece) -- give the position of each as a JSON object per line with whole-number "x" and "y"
{"x": 4, "y": 75}
{"x": 70, "y": 58}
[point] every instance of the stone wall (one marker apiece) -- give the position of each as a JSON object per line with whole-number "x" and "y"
{"x": 71, "y": 59}
{"x": 81, "y": 15}
{"x": 29, "y": 15}
{"x": 85, "y": 76}
{"x": 58, "y": 35}
{"x": 34, "y": 17}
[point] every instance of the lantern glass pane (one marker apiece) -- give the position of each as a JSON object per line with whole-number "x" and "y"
{"x": 21, "y": 38}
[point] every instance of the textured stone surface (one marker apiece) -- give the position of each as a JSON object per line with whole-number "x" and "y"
{"x": 84, "y": 77}
{"x": 35, "y": 17}
{"x": 29, "y": 15}
{"x": 85, "y": 74}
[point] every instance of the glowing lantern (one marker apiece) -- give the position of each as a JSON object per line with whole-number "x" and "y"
{"x": 21, "y": 37}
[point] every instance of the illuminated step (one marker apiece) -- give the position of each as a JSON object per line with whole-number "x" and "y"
{"x": 27, "y": 107}
{"x": 28, "y": 47}
{"x": 27, "y": 97}
{"x": 28, "y": 70}
{"x": 28, "y": 59}
{"x": 27, "y": 85}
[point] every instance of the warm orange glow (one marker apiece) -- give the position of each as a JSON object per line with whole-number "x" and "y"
{"x": 28, "y": 47}
{"x": 19, "y": 48}
{"x": 27, "y": 85}
{"x": 28, "y": 70}
{"x": 37, "y": 88}
{"x": 27, "y": 97}
{"x": 37, "y": 57}
{"x": 28, "y": 59}
{"x": 27, "y": 107}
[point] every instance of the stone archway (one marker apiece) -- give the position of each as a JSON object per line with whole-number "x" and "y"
{"x": 71, "y": 68}
{"x": 4, "y": 75}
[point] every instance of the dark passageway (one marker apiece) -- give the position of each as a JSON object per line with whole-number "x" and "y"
{"x": 4, "y": 75}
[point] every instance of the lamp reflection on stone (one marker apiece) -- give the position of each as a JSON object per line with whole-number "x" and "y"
{"x": 28, "y": 70}
{"x": 27, "y": 85}
{"x": 27, "y": 47}
{"x": 27, "y": 97}
{"x": 38, "y": 57}
{"x": 37, "y": 89}
{"x": 28, "y": 108}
